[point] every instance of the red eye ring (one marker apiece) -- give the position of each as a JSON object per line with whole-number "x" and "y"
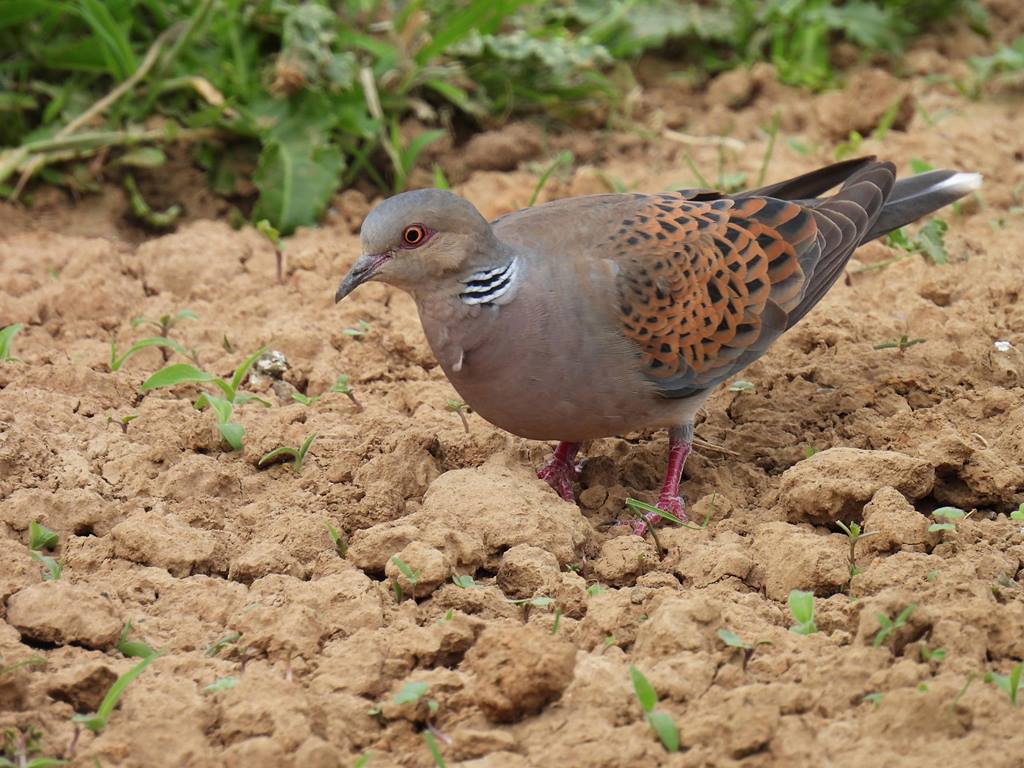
{"x": 415, "y": 235}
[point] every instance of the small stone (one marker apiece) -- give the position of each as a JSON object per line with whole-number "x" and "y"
{"x": 518, "y": 669}
{"x": 62, "y": 613}
{"x": 836, "y": 484}
{"x": 427, "y": 565}
{"x": 593, "y": 497}
{"x": 82, "y": 686}
{"x": 527, "y": 570}
{"x": 623, "y": 559}
{"x": 894, "y": 523}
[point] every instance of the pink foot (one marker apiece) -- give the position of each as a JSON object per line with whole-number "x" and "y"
{"x": 674, "y": 505}
{"x": 560, "y": 472}
{"x": 560, "y": 475}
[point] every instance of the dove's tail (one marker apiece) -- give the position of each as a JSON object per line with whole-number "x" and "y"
{"x": 917, "y": 196}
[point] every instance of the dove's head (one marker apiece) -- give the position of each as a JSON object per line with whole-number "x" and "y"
{"x": 417, "y": 238}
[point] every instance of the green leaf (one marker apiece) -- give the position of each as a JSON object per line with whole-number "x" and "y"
{"x": 435, "y": 752}
{"x": 232, "y": 434}
{"x": 296, "y": 181}
{"x": 931, "y": 240}
{"x": 1018, "y": 514}
{"x": 41, "y": 537}
{"x": 801, "y": 607}
{"x": 117, "y": 49}
{"x": 665, "y": 728}
{"x": 464, "y": 582}
{"x": 949, "y": 513}
{"x": 221, "y": 408}
{"x": 405, "y": 570}
{"x": 236, "y": 380}
{"x": 6, "y": 337}
{"x": 645, "y": 693}
{"x": 276, "y": 455}
{"x": 223, "y": 684}
{"x": 158, "y": 341}
{"x": 643, "y": 506}
{"x": 142, "y": 157}
{"x": 132, "y": 648}
{"x": 174, "y": 375}
{"x": 98, "y": 722}
{"x": 740, "y": 386}
{"x": 733, "y": 640}
{"x": 936, "y": 527}
{"x": 411, "y": 692}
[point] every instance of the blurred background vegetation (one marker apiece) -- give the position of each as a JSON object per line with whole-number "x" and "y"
{"x": 305, "y": 98}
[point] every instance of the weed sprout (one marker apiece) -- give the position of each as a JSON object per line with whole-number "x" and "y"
{"x": 801, "y": 608}
{"x": 296, "y": 454}
{"x": 98, "y": 722}
{"x": 733, "y": 640}
{"x": 661, "y": 723}
{"x": 6, "y": 340}
{"x": 888, "y": 626}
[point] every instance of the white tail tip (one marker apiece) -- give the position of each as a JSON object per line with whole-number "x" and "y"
{"x": 964, "y": 183}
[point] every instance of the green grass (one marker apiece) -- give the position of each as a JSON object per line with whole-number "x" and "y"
{"x": 304, "y": 98}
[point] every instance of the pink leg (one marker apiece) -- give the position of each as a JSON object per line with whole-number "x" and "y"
{"x": 560, "y": 472}
{"x": 680, "y": 441}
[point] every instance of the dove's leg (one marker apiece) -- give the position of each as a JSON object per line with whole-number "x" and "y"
{"x": 680, "y": 441}
{"x": 560, "y": 472}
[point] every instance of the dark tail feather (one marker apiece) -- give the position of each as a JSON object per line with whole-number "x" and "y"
{"x": 918, "y": 196}
{"x": 812, "y": 184}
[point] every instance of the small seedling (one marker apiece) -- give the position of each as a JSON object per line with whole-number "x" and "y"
{"x": 132, "y": 648}
{"x": 98, "y": 722}
{"x": 270, "y": 232}
{"x": 414, "y": 693}
{"x": 19, "y": 747}
{"x": 297, "y": 454}
{"x": 558, "y": 621}
{"x": 873, "y": 698}
{"x": 123, "y": 422}
{"x": 116, "y": 362}
{"x": 562, "y": 158}
{"x": 661, "y": 723}
{"x": 34, "y": 661}
{"x": 594, "y": 590}
{"x": 435, "y": 752}
{"x": 636, "y": 506}
{"x": 888, "y": 626}
{"x": 459, "y": 407}
{"x": 1008, "y": 684}
{"x": 902, "y": 344}
{"x": 6, "y": 340}
{"x": 854, "y": 534}
{"x": 222, "y": 407}
{"x": 363, "y": 761}
{"x": 448, "y": 616}
{"x": 801, "y": 607}
{"x": 946, "y": 513}
{"x": 52, "y": 569}
{"x": 608, "y": 643}
{"x": 410, "y": 575}
{"x": 165, "y": 324}
{"x": 464, "y": 582}
{"x": 302, "y": 399}
{"x": 1018, "y": 513}
{"x": 222, "y": 684}
{"x": 339, "y": 539}
{"x": 215, "y": 648}
{"x": 359, "y": 331}
{"x": 733, "y": 640}
{"x": 929, "y": 241}
{"x": 341, "y": 386}
{"x": 963, "y": 690}
{"x": 531, "y": 602}
{"x": 741, "y": 386}
{"x": 932, "y": 654}
{"x": 41, "y": 537}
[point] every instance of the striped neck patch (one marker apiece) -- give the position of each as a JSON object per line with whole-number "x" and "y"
{"x": 489, "y": 286}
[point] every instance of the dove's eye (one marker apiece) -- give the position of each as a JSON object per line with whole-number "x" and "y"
{"x": 415, "y": 235}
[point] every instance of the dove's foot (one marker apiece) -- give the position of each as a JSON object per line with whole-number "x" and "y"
{"x": 673, "y": 505}
{"x": 560, "y": 472}
{"x": 680, "y": 440}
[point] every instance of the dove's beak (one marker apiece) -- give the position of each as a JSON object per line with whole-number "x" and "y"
{"x": 364, "y": 269}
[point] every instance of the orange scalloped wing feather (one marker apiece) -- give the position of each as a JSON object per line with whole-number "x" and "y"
{"x": 705, "y": 284}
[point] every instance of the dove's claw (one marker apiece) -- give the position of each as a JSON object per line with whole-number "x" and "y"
{"x": 560, "y": 472}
